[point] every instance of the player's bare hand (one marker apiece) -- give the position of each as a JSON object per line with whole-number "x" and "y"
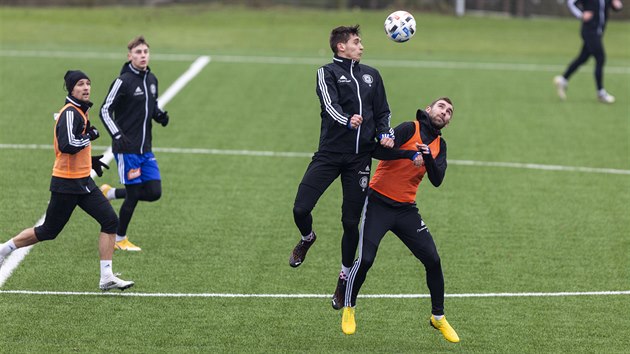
{"x": 387, "y": 142}
{"x": 423, "y": 148}
{"x": 617, "y": 5}
{"x": 418, "y": 161}
{"x": 355, "y": 121}
{"x": 587, "y": 16}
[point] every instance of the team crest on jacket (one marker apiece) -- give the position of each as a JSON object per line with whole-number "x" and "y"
{"x": 153, "y": 89}
{"x": 363, "y": 182}
{"x": 368, "y": 79}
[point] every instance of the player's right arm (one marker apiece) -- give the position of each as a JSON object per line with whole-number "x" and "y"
{"x": 328, "y": 94}
{"x": 107, "y": 109}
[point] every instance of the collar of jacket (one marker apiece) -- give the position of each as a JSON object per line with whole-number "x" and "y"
{"x": 423, "y": 117}
{"x": 345, "y": 62}
{"x": 83, "y": 106}
{"x": 128, "y": 68}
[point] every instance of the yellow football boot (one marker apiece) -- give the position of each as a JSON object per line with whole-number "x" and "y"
{"x": 447, "y": 331}
{"x": 126, "y": 245}
{"x": 348, "y": 325}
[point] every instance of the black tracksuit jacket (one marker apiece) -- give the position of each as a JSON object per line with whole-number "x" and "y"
{"x": 600, "y": 9}
{"x": 128, "y": 108}
{"x": 345, "y": 88}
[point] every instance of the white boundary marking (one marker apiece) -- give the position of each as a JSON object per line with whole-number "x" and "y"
{"x": 309, "y": 61}
{"x": 531, "y": 166}
{"x": 315, "y": 296}
{"x": 16, "y": 257}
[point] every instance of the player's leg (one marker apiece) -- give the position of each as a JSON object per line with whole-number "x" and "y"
{"x": 130, "y": 173}
{"x": 355, "y": 178}
{"x": 320, "y": 173}
{"x": 596, "y": 47}
{"x": 99, "y": 208}
{"x": 377, "y": 218}
{"x": 112, "y": 193}
{"x": 59, "y": 210}
{"x": 413, "y": 232}
{"x": 562, "y": 81}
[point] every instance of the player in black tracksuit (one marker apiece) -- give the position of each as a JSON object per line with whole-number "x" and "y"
{"x": 127, "y": 112}
{"x": 594, "y": 15}
{"x": 354, "y": 113}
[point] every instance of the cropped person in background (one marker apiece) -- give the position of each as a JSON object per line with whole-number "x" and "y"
{"x": 71, "y": 184}
{"x": 127, "y": 112}
{"x": 594, "y": 15}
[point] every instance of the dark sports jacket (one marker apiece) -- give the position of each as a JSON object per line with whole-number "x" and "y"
{"x": 600, "y": 9}
{"x": 128, "y": 109}
{"x": 345, "y": 88}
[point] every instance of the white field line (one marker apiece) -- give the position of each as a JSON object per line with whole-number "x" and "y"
{"x": 531, "y": 166}
{"x": 310, "y": 61}
{"x": 314, "y": 296}
{"x": 16, "y": 257}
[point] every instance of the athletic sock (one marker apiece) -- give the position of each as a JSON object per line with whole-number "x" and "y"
{"x": 106, "y": 269}
{"x": 345, "y": 271}
{"x": 309, "y": 237}
{"x": 111, "y": 194}
{"x": 438, "y": 317}
{"x": 120, "y": 238}
{"x": 7, "y": 247}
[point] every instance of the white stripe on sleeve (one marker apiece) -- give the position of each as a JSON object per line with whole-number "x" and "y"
{"x": 326, "y": 98}
{"x": 109, "y": 122}
{"x": 72, "y": 140}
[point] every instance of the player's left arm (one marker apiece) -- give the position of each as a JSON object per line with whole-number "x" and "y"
{"x": 159, "y": 115}
{"x": 436, "y": 167}
{"x": 403, "y": 133}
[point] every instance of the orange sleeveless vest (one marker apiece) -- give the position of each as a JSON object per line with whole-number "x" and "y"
{"x": 399, "y": 179}
{"x": 77, "y": 165}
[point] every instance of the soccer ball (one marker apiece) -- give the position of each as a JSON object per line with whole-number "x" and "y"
{"x": 400, "y": 26}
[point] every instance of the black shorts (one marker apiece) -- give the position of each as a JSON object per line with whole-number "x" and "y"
{"x": 62, "y": 205}
{"x": 324, "y": 168}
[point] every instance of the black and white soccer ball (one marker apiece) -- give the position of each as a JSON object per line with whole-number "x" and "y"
{"x": 400, "y": 26}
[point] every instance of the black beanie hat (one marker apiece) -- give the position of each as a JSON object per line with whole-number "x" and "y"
{"x": 72, "y": 77}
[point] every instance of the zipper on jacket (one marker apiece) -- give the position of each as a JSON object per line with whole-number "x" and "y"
{"x": 356, "y": 150}
{"x": 146, "y": 111}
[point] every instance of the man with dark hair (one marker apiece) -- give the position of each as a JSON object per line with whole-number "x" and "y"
{"x": 391, "y": 206}
{"x": 354, "y": 113}
{"x": 594, "y": 15}
{"x": 127, "y": 112}
{"x": 71, "y": 184}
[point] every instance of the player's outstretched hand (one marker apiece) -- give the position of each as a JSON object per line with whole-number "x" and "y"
{"x": 97, "y": 165}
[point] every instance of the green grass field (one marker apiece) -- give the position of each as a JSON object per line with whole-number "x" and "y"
{"x": 224, "y": 224}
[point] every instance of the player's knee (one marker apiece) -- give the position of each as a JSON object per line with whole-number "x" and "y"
{"x": 367, "y": 260}
{"x": 300, "y": 212}
{"x": 350, "y": 225}
{"x": 47, "y": 232}
{"x": 432, "y": 262}
{"x": 109, "y": 225}
{"x": 152, "y": 191}
{"x": 153, "y": 196}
